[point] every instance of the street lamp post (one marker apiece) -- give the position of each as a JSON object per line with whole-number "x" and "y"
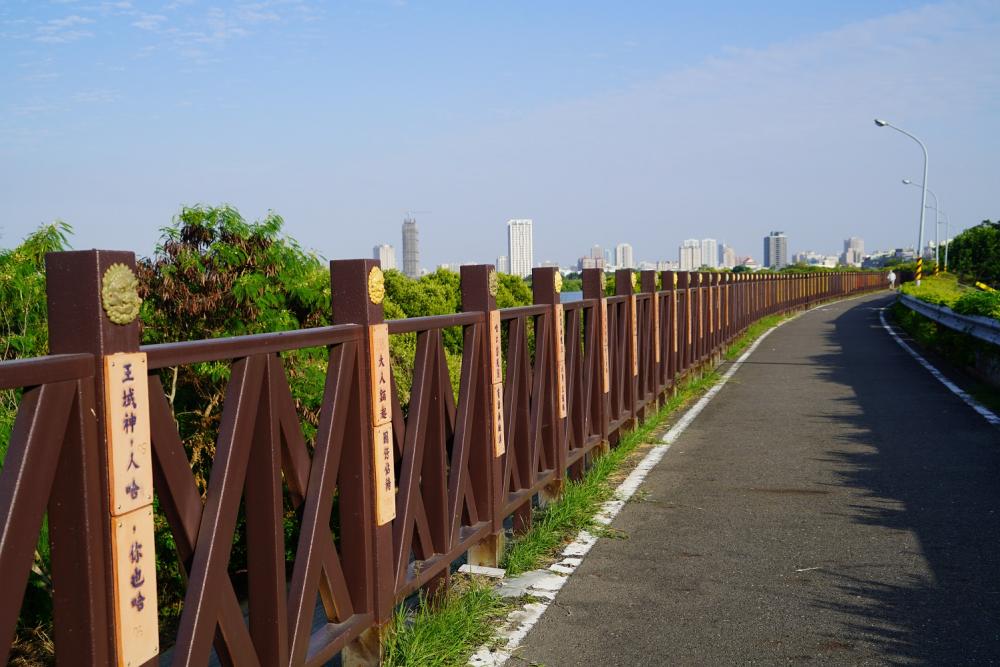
{"x": 937, "y": 224}
{"x": 923, "y": 196}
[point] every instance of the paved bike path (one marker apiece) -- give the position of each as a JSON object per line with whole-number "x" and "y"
{"x": 833, "y": 503}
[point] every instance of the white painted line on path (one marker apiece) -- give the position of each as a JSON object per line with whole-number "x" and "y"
{"x": 985, "y": 412}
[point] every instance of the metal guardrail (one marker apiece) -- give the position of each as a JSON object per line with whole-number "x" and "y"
{"x": 983, "y": 328}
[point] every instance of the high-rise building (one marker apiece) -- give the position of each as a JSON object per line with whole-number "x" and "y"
{"x": 776, "y": 250}
{"x": 854, "y": 251}
{"x": 386, "y": 255}
{"x": 709, "y": 253}
{"x": 503, "y": 264}
{"x": 727, "y": 257}
{"x": 623, "y": 256}
{"x": 411, "y": 249}
{"x": 689, "y": 255}
{"x": 519, "y": 247}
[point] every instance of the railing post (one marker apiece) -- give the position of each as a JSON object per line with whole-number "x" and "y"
{"x": 624, "y": 287}
{"x": 543, "y": 289}
{"x": 81, "y": 524}
{"x": 353, "y": 302}
{"x": 486, "y": 466}
{"x": 668, "y": 280}
{"x": 652, "y": 373}
{"x": 593, "y": 288}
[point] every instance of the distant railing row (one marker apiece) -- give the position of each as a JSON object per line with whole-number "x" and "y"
{"x": 542, "y": 389}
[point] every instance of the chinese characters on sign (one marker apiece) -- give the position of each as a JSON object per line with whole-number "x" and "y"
{"x": 130, "y": 481}
{"x": 385, "y": 474}
{"x": 383, "y": 461}
{"x": 126, "y": 400}
{"x": 496, "y": 356}
{"x": 496, "y": 374}
{"x": 135, "y": 587}
{"x": 381, "y": 375}
{"x": 499, "y": 446}
{"x": 560, "y": 359}
{"x": 605, "y": 374}
{"x": 633, "y": 303}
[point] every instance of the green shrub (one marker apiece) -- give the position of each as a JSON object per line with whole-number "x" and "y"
{"x": 986, "y": 304}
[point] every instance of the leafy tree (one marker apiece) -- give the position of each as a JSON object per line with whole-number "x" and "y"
{"x": 215, "y": 274}
{"x": 975, "y": 253}
{"x": 24, "y": 328}
{"x": 24, "y": 333}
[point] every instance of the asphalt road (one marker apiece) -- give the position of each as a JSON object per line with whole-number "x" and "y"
{"x": 833, "y": 503}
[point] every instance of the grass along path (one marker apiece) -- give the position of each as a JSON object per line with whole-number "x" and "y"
{"x": 448, "y": 632}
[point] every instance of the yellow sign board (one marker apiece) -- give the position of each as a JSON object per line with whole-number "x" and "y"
{"x": 381, "y": 375}
{"x": 633, "y": 309}
{"x": 496, "y": 356}
{"x": 560, "y": 359}
{"x": 605, "y": 373}
{"x": 499, "y": 440}
{"x": 384, "y": 474}
{"x": 134, "y": 564}
{"x": 126, "y": 406}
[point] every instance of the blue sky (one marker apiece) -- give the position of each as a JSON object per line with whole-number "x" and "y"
{"x": 644, "y": 122}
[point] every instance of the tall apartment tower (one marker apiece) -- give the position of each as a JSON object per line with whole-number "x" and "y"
{"x": 386, "y": 255}
{"x": 710, "y": 253}
{"x": 623, "y": 256}
{"x": 689, "y": 255}
{"x": 519, "y": 248}
{"x": 727, "y": 257}
{"x": 776, "y": 250}
{"x": 411, "y": 248}
{"x": 854, "y": 251}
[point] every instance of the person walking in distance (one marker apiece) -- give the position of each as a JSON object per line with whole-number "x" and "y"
{"x": 892, "y": 279}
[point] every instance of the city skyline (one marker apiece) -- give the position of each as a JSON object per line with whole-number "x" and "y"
{"x": 620, "y": 116}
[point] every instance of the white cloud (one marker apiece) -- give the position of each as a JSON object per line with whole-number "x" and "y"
{"x": 149, "y": 21}
{"x": 63, "y": 30}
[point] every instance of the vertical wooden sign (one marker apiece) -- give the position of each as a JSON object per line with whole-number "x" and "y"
{"x": 130, "y": 480}
{"x": 633, "y": 303}
{"x": 687, "y": 314}
{"x": 560, "y": 359}
{"x": 656, "y": 326}
{"x": 499, "y": 440}
{"x": 605, "y": 374}
{"x": 496, "y": 356}
{"x": 383, "y": 457}
{"x": 496, "y": 374}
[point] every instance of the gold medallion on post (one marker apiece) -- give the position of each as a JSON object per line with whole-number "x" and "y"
{"x": 120, "y": 294}
{"x": 493, "y": 283}
{"x": 557, "y": 280}
{"x": 376, "y": 285}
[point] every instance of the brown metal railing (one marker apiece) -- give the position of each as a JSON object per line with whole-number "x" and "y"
{"x": 454, "y": 490}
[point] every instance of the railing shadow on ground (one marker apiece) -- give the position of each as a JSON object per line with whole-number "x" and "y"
{"x": 927, "y": 466}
